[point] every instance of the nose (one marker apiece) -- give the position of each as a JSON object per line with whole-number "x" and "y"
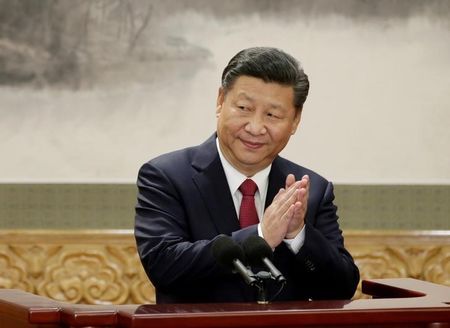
{"x": 255, "y": 125}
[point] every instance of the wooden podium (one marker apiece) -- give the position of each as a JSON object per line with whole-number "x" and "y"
{"x": 395, "y": 303}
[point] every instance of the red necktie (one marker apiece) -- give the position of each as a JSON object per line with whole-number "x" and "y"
{"x": 247, "y": 213}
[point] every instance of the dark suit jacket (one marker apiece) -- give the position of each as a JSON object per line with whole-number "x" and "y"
{"x": 184, "y": 203}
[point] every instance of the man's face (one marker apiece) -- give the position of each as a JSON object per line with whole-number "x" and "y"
{"x": 255, "y": 120}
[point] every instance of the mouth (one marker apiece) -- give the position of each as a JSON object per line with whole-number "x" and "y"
{"x": 252, "y": 144}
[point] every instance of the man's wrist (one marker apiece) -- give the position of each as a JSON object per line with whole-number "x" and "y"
{"x": 292, "y": 235}
{"x": 294, "y": 244}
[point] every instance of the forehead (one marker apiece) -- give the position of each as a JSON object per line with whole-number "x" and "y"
{"x": 257, "y": 90}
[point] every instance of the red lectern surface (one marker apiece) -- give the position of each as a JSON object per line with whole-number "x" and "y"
{"x": 19, "y": 309}
{"x": 397, "y": 303}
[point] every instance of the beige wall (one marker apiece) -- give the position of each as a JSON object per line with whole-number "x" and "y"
{"x": 378, "y": 111}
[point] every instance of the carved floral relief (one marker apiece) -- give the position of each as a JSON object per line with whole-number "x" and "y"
{"x": 111, "y": 273}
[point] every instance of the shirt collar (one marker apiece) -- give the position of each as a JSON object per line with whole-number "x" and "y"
{"x": 235, "y": 178}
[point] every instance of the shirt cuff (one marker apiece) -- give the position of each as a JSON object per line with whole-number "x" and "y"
{"x": 293, "y": 244}
{"x": 260, "y": 231}
{"x": 297, "y": 242}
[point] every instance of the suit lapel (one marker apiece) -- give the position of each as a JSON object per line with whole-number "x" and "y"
{"x": 213, "y": 187}
{"x": 277, "y": 178}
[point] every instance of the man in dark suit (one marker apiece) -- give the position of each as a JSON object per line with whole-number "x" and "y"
{"x": 189, "y": 197}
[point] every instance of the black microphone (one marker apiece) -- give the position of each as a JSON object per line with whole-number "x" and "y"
{"x": 258, "y": 251}
{"x": 228, "y": 253}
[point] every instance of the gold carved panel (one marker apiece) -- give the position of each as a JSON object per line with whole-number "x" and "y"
{"x": 102, "y": 266}
{"x": 385, "y": 254}
{"x": 90, "y": 267}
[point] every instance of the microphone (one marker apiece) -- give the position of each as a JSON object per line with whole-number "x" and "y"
{"x": 229, "y": 254}
{"x": 258, "y": 251}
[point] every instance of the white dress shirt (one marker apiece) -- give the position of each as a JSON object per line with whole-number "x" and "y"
{"x": 261, "y": 178}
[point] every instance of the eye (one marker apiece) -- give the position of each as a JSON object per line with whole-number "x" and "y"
{"x": 272, "y": 115}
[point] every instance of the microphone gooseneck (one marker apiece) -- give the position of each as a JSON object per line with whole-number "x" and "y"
{"x": 258, "y": 253}
{"x": 255, "y": 249}
{"x": 229, "y": 254}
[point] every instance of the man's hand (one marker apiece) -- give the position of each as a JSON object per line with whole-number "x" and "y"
{"x": 284, "y": 218}
{"x": 298, "y": 219}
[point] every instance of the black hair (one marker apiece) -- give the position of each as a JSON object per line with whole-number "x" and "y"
{"x": 270, "y": 65}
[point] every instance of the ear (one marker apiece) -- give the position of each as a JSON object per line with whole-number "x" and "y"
{"x": 220, "y": 100}
{"x": 296, "y": 122}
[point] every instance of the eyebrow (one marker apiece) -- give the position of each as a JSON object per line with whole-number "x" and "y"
{"x": 247, "y": 97}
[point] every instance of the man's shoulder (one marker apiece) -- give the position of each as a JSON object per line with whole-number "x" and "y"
{"x": 185, "y": 156}
{"x": 287, "y": 166}
{"x": 170, "y": 161}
